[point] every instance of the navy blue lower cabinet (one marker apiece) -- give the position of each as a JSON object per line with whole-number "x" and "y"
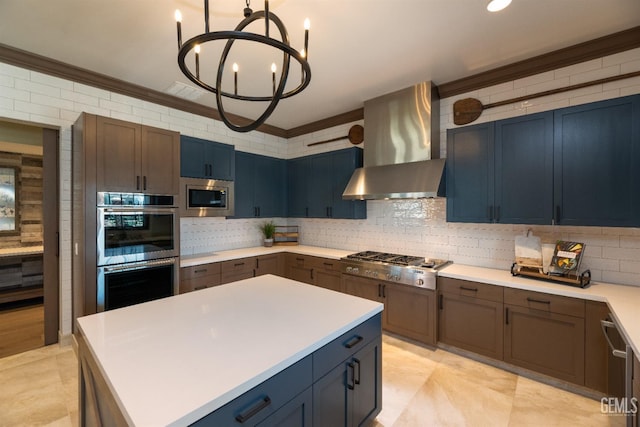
{"x": 597, "y": 163}
{"x": 260, "y": 186}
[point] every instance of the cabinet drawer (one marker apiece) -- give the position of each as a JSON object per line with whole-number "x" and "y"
{"x": 545, "y": 302}
{"x": 338, "y": 350}
{"x": 470, "y": 289}
{"x": 237, "y": 266}
{"x": 328, "y": 264}
{"x": 300, "y": 260}
{"x": 264, "y": 399}
{"x": 197, "y": 271}
{"x": 199, "y": 283}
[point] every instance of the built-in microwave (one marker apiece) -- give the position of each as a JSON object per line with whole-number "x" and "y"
{"x": 206, "y": 197}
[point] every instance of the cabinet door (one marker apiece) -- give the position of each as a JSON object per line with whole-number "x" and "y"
{"x": 411, "y": 312}
{"x": 330, "y": 398}
{"x": 362, "y": 287}
{"x": 328, "y": 279}
{"x": 472, "y": 324}
{"x": 221, "y": 157}
{"x": 343, "y": 163}
{"x": 298, "y": 176}
{"x": 118, "y": 155}
{"x": 270, "y": 186}
{"x": 524, "y": 169}
{"x": 160, "y": 161}
{"x": 470, "y": 174}
{"x": 268, "y": 264}
{"x": 244, "y": 206}
{"x": 296, "y": 413}
{"x": 321, "y": 190}
{"x": 545, "y": 342}
{"x": 597, "y": 163}
{"x": 366, "y": 396}
{"x": 300, "y": 268}
{"x": 193, "y": 157}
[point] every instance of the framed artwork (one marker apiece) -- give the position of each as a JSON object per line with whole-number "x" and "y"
{"x": 9, "y": 214}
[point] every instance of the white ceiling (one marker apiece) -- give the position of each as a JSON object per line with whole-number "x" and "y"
{"x": 358, "y": 49}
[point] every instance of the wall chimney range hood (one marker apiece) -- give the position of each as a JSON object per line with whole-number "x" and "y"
{"x": 402, "y": 147}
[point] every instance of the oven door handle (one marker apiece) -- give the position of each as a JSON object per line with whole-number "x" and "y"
{"x": 139, "y": 265}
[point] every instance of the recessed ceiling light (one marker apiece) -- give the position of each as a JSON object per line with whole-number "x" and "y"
{"x": 497, "y": 5}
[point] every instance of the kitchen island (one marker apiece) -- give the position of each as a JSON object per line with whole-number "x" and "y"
{"x": 248, "y": 350}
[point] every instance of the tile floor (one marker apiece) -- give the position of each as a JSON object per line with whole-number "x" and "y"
{"x": 421, "y": 387}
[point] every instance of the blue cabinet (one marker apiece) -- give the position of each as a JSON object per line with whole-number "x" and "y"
{"x": 597, "y": 163}
{"x": 316, "y": 184}
{"x": 260, "y": 186}
{"x": 501, "y": 171}
{"x": 200, "y": 158}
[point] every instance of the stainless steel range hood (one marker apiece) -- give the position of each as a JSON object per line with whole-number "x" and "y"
{"x": 402, "y": 147}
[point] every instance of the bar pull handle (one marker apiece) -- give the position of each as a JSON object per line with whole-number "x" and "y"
{"x": 506, "y": 315}
{"x": 238, "y": 264}
{"x": 498, "y": 213}
{"x": 263, "y": 403}
{"x": 490, "y": 213}
{"x": 356, "y": 379}
{"x": 306, "y": 211}
{"x": 351, "y": 385}
{"x": 539, "y": 301}
{"x": 440, "y": 301}
{"x": 204, "y": 270}
{"x": 144, "y": 182}
{"x": 197, "y": 288}
{"x": 137, "y": 182}
{"x": 299, "y": 259}
{"x": 312, "y": 274}
{"x": 464, "y": 288}
{"x": 384, "y": 291}
{"x": 353, "y": 341}
{"x": 557, "y": 216}
{"x": 379, "y": 290}
{"x": 606, "y": 324}
{"x": 327, "y": 264}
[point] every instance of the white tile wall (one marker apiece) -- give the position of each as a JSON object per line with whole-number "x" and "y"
{"x": 414, "y": 227}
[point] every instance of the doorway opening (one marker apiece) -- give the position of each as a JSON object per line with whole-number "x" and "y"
{"x": 29, "y": 279}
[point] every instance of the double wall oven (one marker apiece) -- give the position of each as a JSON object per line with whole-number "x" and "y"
{"x": 137, "y": 248}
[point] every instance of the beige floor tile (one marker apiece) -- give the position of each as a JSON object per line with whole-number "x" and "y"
{"x": 537, "y": 404}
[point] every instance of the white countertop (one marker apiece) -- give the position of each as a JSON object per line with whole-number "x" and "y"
{"x": 174, "y": 360}
{"x": 21, "y": 251}
{"x": 624, "y": 301}
{"x": 191, "y": 260}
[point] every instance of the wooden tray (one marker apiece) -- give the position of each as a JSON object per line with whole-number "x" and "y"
{"x": 581, "y": 281}
{"x": 286, "y": 235}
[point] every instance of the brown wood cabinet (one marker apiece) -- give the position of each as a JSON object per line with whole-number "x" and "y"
{"x": 270, "y": 264}
{"x": 470, "y": 316}
{"x": 636, "y": 389}
{"x": 545, "y": 333}
{"x": 328, "y": 274}
{"x": 237, "y": 269}
{"x": 596, "y": 349}
{"x": 136, "y": 158}
{"x": 408, "y": 311}
{"x": 300, "y": 268}
{"x": 200, "y": 277}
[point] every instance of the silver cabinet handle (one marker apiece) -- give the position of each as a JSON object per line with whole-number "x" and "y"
{"x": 606, "y": 324}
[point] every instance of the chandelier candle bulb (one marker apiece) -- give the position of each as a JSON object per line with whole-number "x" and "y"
{"x": 178, "y": 16}
{"x": 273, "y": 77}
{"x": 197, "y": 50}
{"x": 235, "y": 78}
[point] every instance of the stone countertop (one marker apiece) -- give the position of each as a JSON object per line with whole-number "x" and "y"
{"x": 174, "y": 360}
{"x": 22, "y": 251}
{"x": 624, "y": 301}
{"x": 192, "y": 260}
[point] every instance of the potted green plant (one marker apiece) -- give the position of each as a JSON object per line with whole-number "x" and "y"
{"x": 268, "y": 229}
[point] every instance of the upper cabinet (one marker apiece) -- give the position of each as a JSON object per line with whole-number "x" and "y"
{"x": 316, "y": 184}
{"x": 260, "y": 186}
{"x": 597, "y": 163}
{"x": 573, "y": 166}
{"x": 206, "y": 159}
{"x": 135, "y": 158}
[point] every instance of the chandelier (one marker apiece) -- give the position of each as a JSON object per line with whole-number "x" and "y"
{"x": 278, "y": 90}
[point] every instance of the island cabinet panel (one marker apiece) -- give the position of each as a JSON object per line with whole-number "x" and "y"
{"x": 200, "y": 277}
{"x": 136, "y": 158}
{"x": 260, "y": 186}
{"x": 270, "y": 264}
{"x": 206, "y": 159}
{"x": 349, "y": 389}
{"x": 327, "y": 274}
{"x": 237, "y": 269}
{"x": 471, "y": 316}
{"x": 258, "y": 405}
{"x": 545, "y": 333}
{"x": 300, "y": 267}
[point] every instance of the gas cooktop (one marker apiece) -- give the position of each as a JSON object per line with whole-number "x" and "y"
{"x": 406, "y": 269}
